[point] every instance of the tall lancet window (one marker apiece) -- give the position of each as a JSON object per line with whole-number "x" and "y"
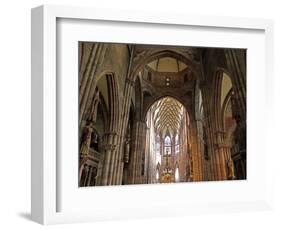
{"x": 177, "y": 144}
{"x": 168, "y": 145}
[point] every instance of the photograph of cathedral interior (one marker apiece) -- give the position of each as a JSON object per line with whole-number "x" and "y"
{"x": 160, "y": 114}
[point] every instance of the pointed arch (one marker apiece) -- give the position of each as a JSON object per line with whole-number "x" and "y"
{"x": 113, "y": 102}
{"x": 222, "y": 85}
{"x": 149, "y": 57}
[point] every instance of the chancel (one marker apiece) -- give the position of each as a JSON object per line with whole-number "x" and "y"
{"x": 161, "y": 114}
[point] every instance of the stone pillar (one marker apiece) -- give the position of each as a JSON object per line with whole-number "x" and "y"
{"x": 85, "y": 146}
{"x": 89, "y": 176}
{"x": 209, "y": 123}
{"x": 236, "y": 65}
{"x": 229, "y": 163}
{"x": 126, "y": 103}
{"x": 221, "y": 156}
{"x": 88, "y": 81}
{"x": 100, "y": 170}
{"x": 189, "y": 167}
{"x": 162, "y": 144}
{"x": 85, "y": 75}
{"x": 213, "y": 152}
{"x": 109, "y": 147}
{"x": 149, "y": 153}
{"x": 84, "y": 175}
{"x": 196, "y": 152}
{"x": 138, "y": 148}
{"x": 91, "y": 114}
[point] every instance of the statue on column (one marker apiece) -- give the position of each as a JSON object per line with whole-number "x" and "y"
{"x": 127, "y": 150}
{"x": 235, "y": 107}
{"x": 230, "y": 169}
{"x": 85, "y": 142}
{"x": 127, "y": 144}
{"x": 86, "y": 137}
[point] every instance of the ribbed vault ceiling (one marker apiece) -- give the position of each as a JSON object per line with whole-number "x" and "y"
{"x": 167, "y": 114}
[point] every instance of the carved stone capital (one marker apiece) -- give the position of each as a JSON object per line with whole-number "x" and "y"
{"x": 220, "y": 135}
{"x": 109, "y": 147}
{"x": 110, "y": 138}
{"x": 89, "y": 124}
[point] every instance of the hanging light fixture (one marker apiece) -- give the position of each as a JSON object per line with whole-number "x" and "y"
{"x": 167, "y": 81}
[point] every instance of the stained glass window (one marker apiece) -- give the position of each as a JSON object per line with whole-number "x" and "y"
{"x": 168, "y": 144}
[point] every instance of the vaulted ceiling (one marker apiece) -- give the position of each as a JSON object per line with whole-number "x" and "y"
{"x": 165, "y": 59}
{"x": 167, "y": 64}
{"x": 167, "y": 114}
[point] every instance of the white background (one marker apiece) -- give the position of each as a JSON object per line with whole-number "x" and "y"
{"x": 15, "y": 114}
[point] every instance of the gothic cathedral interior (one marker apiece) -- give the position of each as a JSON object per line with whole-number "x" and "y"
{"x": 160, "y": 114}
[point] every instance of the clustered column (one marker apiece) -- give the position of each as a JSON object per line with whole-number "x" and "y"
{"x": 196, "y": 152}
{"x": 109, "y": 148}
{"x": 138, "y": 149}
{"x": 123, "y": 127}
{"x": 88, "y": 78}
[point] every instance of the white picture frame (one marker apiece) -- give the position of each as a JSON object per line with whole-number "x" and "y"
{"x": 46, "y": 185}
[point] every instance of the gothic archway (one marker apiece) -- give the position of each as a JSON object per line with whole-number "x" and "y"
{"x": 168, "y": 124}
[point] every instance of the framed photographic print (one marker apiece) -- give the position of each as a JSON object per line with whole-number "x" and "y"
{"x": 139, "y": 115}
